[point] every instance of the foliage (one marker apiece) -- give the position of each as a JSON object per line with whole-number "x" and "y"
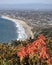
{"x": 38, "y": 47}
{"x": 27, "y": 52}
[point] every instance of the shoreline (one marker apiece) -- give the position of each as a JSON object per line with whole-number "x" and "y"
{"x": 21, "y": 25}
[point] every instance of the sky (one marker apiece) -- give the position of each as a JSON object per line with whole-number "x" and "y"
{"x": 25, "y": 1}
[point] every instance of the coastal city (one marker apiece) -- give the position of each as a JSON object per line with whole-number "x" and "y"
{"x": 35, "y": 19}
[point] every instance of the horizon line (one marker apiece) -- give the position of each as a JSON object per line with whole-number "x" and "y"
{"x": 24, "y": 3}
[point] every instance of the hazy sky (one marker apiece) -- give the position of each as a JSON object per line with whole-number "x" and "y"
{"x": 25, "y": 1}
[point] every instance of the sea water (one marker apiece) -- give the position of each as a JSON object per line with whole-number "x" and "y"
{"x": 11, "y": 30}
{"x": 7, "y": 30}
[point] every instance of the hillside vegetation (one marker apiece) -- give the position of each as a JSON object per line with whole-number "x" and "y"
{"x": 37, "y": 51}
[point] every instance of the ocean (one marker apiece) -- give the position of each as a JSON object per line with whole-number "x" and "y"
{"x": 7, "y": 30}
{"x": 11, "y": 30}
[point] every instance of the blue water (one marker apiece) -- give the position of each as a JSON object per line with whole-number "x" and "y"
{"x": 7, "y": 30}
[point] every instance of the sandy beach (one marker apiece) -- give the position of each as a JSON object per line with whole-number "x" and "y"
{"x": 24, "y": 27}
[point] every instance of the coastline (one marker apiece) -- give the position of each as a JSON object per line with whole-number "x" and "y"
{"x": 24, "y": 29}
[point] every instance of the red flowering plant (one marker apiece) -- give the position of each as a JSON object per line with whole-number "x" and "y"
{"x": 42, "y": 37}
{"x": 22, "y": 53}
{"x": 44, "y": 55}
{"x": 38, "y": 47}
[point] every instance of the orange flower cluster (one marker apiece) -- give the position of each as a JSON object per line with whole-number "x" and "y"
{"x": 37, "y": 47}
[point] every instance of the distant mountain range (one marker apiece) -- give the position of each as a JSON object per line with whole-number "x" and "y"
{"x": 27, "y": 6}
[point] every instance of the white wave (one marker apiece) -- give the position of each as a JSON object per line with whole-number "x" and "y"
{"x": 20, "y": 30}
